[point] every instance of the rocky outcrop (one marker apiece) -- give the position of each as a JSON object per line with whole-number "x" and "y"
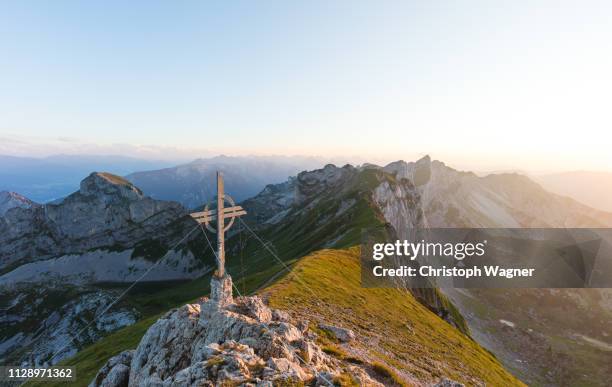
{"x": 116, "y": 372}
{"x": 302, "y": 193}
{"x": 9, "y": 200}
{"x": 342, "y": 334}
{"x": 273, "y": 203}
{"x": 328, "y": 180}
{"x": 107, "y": 211}
{"x": 223, "y": 341}
{"x": 448, "y": 383}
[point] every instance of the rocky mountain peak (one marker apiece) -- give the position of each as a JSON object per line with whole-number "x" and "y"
{"x": 424, "y": 160}
{"x": 10, "y": 200}
{"x": 328, "y": 179}
{"x": 108, "y": 184}
{"x": 222, "y": 341}
{"x": 106, "y": 211}
{"x": 419, "y": 172}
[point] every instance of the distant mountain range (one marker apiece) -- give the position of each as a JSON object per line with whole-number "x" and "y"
{"x": 193, "y": 184}
{"x": 591, "y": 188}
{"x": 50, "y": 178}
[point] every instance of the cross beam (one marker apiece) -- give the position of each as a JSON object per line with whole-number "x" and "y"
{"x": 210, "y": 215}
{"x": 220, "y": 214}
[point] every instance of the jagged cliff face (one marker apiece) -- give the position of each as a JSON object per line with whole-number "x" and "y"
{"x": 451, "y": 198}
{"x": 322, "y": 208}
{"x": 400, "y": 205}
{"x": 527, "y": 336}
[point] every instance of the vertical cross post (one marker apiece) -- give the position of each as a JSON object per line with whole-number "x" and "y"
{"x": 219, "y": 215}
{"x": 220, "y": 226}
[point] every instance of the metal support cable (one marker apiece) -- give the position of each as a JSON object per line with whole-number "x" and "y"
{"x": 123, "y": 293}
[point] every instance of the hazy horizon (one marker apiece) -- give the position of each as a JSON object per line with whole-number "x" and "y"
{"x": 175, "y": 156}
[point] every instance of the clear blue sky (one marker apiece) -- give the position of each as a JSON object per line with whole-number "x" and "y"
{"x": 504, "y": 84}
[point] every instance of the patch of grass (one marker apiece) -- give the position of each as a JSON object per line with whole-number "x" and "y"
{"x": 334, "y": 351}
{"x": 114, "y": 178}
{"x": 325, "y": 336}
{"x": 386, "y": 373}
{"x": 353, "y": 359}
{"x": 215, "y": 361}
{"x": 326, "y": 285}
{"x": 345, "y": 380}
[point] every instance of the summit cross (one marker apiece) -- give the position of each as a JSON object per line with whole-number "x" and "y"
{"x": 220, "y": 215}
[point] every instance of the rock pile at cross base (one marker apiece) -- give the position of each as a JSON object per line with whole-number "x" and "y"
{"x": 223, "y": 341}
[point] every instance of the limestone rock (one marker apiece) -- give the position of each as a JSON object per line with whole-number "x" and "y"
{"x": 279, "y": 315}
{"x": 221, "y": 290}
{"x": 10, "y": 200}
{"x": 362, "y": 377}
{"x": 444, "y": 382}
{"x": 116, "y": 372}
{"x": 342, "y": 334}
{"x": 165, "y": 348}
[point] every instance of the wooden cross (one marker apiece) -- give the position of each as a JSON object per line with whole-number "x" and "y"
{"x": 220, "y": 214}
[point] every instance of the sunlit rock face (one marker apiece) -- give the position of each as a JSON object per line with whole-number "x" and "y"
{"x": 452, "y": 198}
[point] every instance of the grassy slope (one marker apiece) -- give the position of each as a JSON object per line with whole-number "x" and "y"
{"x": 394, "y": 328}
